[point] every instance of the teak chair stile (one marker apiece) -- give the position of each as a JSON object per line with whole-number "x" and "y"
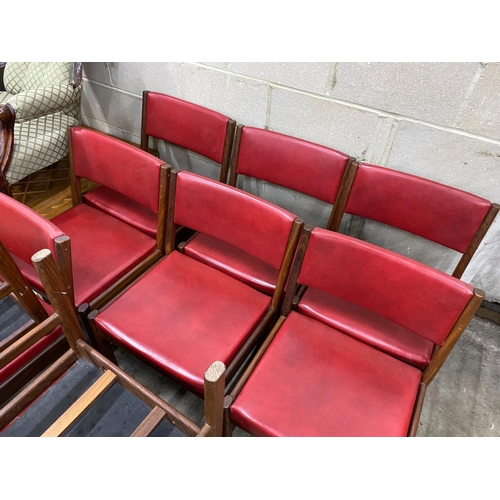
{"x": 299, "y": 166}
{"x": 443, "y": 214}
{"x": 199, "y": 309}
{"x": 64, "y": 315}
{"x": 282, "y": 348}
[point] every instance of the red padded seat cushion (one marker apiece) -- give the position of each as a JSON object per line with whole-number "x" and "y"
{"x": 103, "y": 249}
{"x": 420, "y": 206}
{"x": 182, "y": 315}
{"x": 294, "y": 163}
{"x": 233, "y": 261}
{"x": 32, "y": 351}
{"x": 367, "y": 326}
{"x": 123, "y": 208}
{"x": 186, "y": 124}
{"x": 413, "y": 295}
{"x": 316, "y": 381}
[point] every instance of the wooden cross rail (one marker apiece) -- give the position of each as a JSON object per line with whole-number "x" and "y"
{"x": 149, "y": 424}
{"x": 102, "y": 384}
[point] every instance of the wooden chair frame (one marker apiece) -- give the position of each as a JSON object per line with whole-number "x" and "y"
{"x": 120, "y": 284}
{"x": 228, "y": 141}
{"x": 28, "y": 334}
{"x": 233, "y": 179}
{"x": 343, "y": 198}
{"x": 263, "y": 326}
{"x": 64, "y": 315}
{"x": 439, "y": 356}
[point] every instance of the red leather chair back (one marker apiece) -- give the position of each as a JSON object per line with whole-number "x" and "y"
{"x": 23, "y": 231}
{"x": 185, "y": 124}
{"x": 415, "y": 296}
{"x": 234, "y": 216}
{"x": 117, "y": 165}
{"x": 300, "y": 165}
{"x": 420, "y": 206}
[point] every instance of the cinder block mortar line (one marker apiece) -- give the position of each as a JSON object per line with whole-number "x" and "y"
{"x": 468, "y": 94}
{"x": 360, "y": 107}
{"x": 348, "y": 104}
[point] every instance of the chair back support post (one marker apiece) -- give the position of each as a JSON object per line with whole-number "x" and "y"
{"x": 162, "y": 206}
{"x": 76, "y": 182}
{"x": 442, "y": 353}
{"x": 342, "y": 196}
{"x": 286, "y": 264}
{"x": 228, "y": 148}
{"x": 58, "y": 296}
{"x": 214, "y": 397}
{"x": 63, "y": 261}
{"x": 236, "y": 151}
{"x": 23, "y": 292}
{"x": 171, "y": 227}
{"x": 144, "y": 137}
{"x": 294, "y": 273}
{"x": 474, "y": 244}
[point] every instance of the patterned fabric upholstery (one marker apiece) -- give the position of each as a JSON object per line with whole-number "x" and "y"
{"x": 45, "y": 104}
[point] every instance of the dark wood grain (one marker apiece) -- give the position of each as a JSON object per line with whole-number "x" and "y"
{"x": 342, "y": 195}
{"x": 234, "y": 159}
{"x": 442, "y": 353}
{"x": 228, "y": 147}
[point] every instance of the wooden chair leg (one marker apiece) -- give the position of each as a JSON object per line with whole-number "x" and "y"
{"x": 103, "y": 346}
{"x": 214, "y": 397}
{"x": 227, "y": 425}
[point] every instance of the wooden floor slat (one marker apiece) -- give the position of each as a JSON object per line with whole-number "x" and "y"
{"x": 149, "y": 424}
{"x": 104, "y": 382}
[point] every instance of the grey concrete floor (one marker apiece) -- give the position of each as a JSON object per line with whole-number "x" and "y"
{"x": 463, "y": 399}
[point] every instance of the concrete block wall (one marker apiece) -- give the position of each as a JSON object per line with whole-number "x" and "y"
{"x": 437, "y": 120}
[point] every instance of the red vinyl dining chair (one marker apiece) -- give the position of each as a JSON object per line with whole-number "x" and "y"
{"x": 183, "y": 312}
{"x": 356, "y": 359}
{"x": 96, "y": 253}
{"x": 83, "y": 394}
{"x": 178, "y": 122}
{"x": 451, "y": 217}
{"x": 304, "y": 168}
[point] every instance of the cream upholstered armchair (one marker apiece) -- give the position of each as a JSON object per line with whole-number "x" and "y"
{"x": 40, "y": 101}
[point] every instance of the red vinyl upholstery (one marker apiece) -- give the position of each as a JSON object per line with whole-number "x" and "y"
{"x": 181, "y": 315}
{"x": 300, "y": 165}
{"x": 290, "y": 162}
{"x": 413, "y": 295}
{"x": 233, "y": 261}
{"x": 315, "y": 381}
{"x": 32, "y": 351}
{"x": 123, "y": 208}
{"x": 103, "y": 249}
{"x": 367, "y": 326}
{"x": 199, "y": 202}
{"x": 117, "y": 165}
{"x": 23, "y": 231}
{"x": 420, "y": 206}
{"x": 185, "y": 124}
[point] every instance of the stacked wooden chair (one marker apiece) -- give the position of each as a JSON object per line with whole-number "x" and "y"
{"x": 329, "y": 336}
{"x": 355, "y": 354}
{"x": 183, "y": 312}
{"x": 84, "y": 394}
